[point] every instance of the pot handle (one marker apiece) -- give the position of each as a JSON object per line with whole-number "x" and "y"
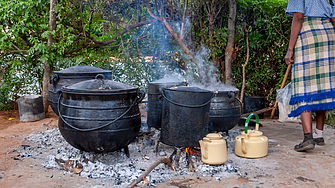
{"x": 101, "y": 77}
{"x": 54, "y": 80}
{"x": 231, "y": 96}
{"x": 95, "y": 128}
{"x": 82, "y": 63}
{"x": 140, "y": 96}
{"x": 243, "y": 147}
{"x": 184, "y": 105}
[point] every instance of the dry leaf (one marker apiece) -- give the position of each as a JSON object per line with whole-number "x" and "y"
{"x": 60, "y": 162}
{"x": 73, "y": 166}
{"x": 77, "y": 169}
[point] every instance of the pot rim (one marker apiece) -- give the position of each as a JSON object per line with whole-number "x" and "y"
{"x": 198, "y": 91}
{"x": 64, "y": 89}
{"x": 225, "y": 91}
{"x": 78, "y": 73}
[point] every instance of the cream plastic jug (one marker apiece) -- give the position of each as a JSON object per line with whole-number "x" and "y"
{"x": 251, "y": 143}
{"x": 213, "y": 149}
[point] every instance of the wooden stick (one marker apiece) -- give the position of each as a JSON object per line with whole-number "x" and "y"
{"x": 288, "y": 70}
{"x": 244, "y": 67}
{"x": 258, "y": 111}
{"x": 164, "y": 160}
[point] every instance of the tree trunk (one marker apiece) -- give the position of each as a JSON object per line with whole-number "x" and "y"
{"x": 48, "y": 65}
{"x": 230, "y": 43}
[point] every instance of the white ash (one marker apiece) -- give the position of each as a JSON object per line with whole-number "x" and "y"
{"x": 115, "y": 167}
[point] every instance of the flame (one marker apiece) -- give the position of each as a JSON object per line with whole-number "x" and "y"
{"x": 187, "y": 150}
{"x": 191, "y": 151}
{"x": 145, "y": 182}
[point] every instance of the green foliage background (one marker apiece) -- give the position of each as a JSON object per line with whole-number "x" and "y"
{"x": 24, "y": 32}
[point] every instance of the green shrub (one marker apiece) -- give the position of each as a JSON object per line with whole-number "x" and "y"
{"x": 4, "y": 97}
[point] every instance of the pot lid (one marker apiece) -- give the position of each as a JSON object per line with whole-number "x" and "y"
{"x": 214, "y": 136}
{"x": 99, "y": 85}
{"x": 169, "y": 80}
{"x": 82, "y": 68}
{"x": 188, "y": 88}
{"x": 253, "y": 133}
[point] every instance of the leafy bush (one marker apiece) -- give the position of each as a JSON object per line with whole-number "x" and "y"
{"x": 330, "y": 118}
{"x": 268, "y": 32}
{"x": 4, "y": 97}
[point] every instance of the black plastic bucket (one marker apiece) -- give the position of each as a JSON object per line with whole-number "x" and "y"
{"x": 31, "y": 108}
{"x": 254, "y": 103}
{"x": 185, "y": 115}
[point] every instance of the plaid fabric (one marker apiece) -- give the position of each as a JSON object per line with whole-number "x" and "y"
{"x": 313, "y": 71}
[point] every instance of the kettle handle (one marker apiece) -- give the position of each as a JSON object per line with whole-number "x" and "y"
{"x": 205, "y": 153}
{"x": 243, "y": 147}
{"x": 247, "y": 122}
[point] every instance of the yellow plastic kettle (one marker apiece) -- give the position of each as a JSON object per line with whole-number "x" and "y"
{"x": 251, "y": 143}
{"x": 213, "y": 149}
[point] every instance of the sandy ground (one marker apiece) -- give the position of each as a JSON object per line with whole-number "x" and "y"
{"x": 282, "y": 167}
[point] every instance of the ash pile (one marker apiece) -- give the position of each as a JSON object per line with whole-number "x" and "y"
{"x": 115, "y": 167}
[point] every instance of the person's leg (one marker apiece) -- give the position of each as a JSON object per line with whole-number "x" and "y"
{"x": 318, "y": 133}
{"x": 306, "y": 121}
{"x": 307, "y": 143}
{"x": 320, "y": 119}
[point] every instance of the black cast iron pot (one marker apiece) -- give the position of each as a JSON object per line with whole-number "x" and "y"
{"x": 155, "y": 101}
{"x": 185, "y": 115}
{"x": 100, "y": 115}
{"x": 225, "y": 111}
{"x": 70, "y": 76}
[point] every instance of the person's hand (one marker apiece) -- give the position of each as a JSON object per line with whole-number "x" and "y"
{"x": 289, "y": 57}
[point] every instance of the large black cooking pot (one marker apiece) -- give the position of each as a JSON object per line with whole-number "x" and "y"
{"x": 70, "y": 76}
{"x": 100, "y": 115}
{"x": 155, "y": 100}
{"x": 225, "y": 111}
{"x": 185, "y": 115}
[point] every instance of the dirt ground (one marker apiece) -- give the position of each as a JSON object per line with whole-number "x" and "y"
{"x": 282, "y": 167}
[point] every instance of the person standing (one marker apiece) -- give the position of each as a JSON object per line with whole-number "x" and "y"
{"x": 311, "y": 51}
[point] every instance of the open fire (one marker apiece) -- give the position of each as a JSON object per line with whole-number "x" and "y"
{"x": 115, "y": 167}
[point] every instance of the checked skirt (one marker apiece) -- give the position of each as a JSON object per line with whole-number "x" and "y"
{"x": 313, "y": 71}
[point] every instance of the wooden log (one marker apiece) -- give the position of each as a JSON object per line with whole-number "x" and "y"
{"x": 153, "y": 166}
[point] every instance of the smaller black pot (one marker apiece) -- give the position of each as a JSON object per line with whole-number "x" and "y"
{"x": 225, "y": 111}
{"x": 254, "y": 103}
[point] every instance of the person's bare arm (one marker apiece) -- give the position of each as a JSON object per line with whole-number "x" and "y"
{"x": 333, "y": 21}
{"x": 297, "y": 21}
